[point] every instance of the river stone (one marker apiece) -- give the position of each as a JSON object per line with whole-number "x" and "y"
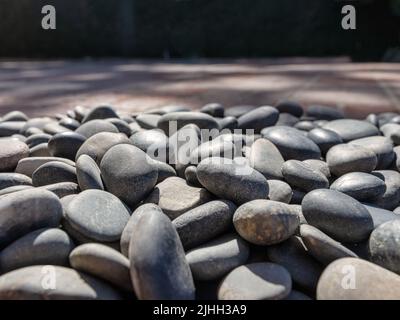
{"x": 53, "y": 172}
{"x": 325, "y": 139}
{"x": 54, "y": 128}
{"x": 14, "y": 116}
{"x": 381, "y": 146}
{"x": 213, "y": 109}
{"x": 97, "y": 145}
{"x": 213, "y": 148}
{"x": 256, "y": 281}
{"x": 303, "y": 268}
{"x": 384, "y": 244}
{"x": 266, "y": 159}
{"x": 8, "y": 128}
{"x": 372, "y": 282}
{"x": 153, "y": 142}
{"x": 337, "y": 214}
{"x": 345, "y": 158}
{"x": 102, "y": 262}
{"x": 297, "y": 196}
{"x": 322, "y": 247}
{"x": 258, "y": 119}
{"x": 65, "y": 145}
{"x": 175, "y": 196}
{"x": 204, "y": 222}
{"x": 100, "y": 112}
{"x": 305, "y": 125}
{"x": 98, "y": 215}
{"x": 27, "y": 166}
{"x": 216, "y": 258}
{"x": 27, "y": 210}
{"x": 265, "y": 222}
{"x": 128, "y": 173}
{"x": 286, "y": 119}
{"x": 92, "y": 127}
{"x": 303, "y": 176}
{"x": 392, "y": 131}
{"x": 88, "y": 173}
{"x": 324, "y": 112}
{"x": 41, "y": 150}
{"x": 291, "y": 143}
{"x": 38, "y": 138}
{"x": 62, "y": 189}
{"x": 191, "y": 176}
{"x": 232, "y": 180}
{"x": 122, "y": 126}
{"x": 148, "y": 121}
{"x": 69, "y": 123}
{"x": 11, "y": 152}
{"x": 14, "y": 189}
{"x": 279, "y": 191}
{"x": 40, "y": 247}
{"x": 10, "y": 179}
{"x": 290, "y": 107}
{"x": 379, "y": 215}
{"x": 202, "y": 120}
{"x": 350, "y": 129}
{"x": 319, "y": 165}
{"x": 36, "y": 123}
{"x": 159, "y": 269}
{"x": 227, "y": 123}
{"x": 360, "y": 185}
{"x": 238, "y": 111}
{"x": 391, "y": 198}
{"x": 27, "y": 284}
{"x": 164, "y": 170}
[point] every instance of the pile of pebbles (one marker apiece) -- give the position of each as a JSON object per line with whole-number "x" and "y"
{"x": 280, "y": 203}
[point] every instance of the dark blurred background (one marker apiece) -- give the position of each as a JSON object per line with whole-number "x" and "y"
{"x": 200, "y": 28}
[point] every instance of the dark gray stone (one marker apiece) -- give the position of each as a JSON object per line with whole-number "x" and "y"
{"x": 325, "y": 139}
{"x": 153, "y": 142}
{"x": 266, "y": 159}
{"x": 379, "y": 215}
{"x": 286, "y": 119}
{"x": 62, "y": 189}
{"x": 265, "y": 222}
{"x": 238, "y": 111}
{"x": 14, "y": 116}
{"x": 202, "y": 120}
{"x": 38, "y": 138}
{"x": 8, "y": 128}
{"x": 232, "y": 180}
{"x": 213, "y": 109}
{"x": 100, "y": 112}
{"x": 324, "y": 112}
{"x": 10, "y": 179}
{"x": 159, "y": 269}
{"x": 148, "y": 121}
{"x": 279, "y": 191}
{"x": 319, "y": 165}
{"x": 88, "y": 173}
{"x": 41, "y": 150}
{"x": 214, "y": 148}
{"x": 11, "y": 151}
{"x": 122, "y": 126}
{"x": 191, "y": 176}
{"x": 392, "y": 131}
{"x": 92, "y": 127}
{"x": 53, "y": 172}
{"x": 227, "y": 123}
{"x": 27, "y": 166}
{"x": 391, "y": 198}
{"x": 164, "y": 170}
{"x": 258, "y": 119}
{"x": 291, "y": 107}
{"x": 350, "y": 129}
{"x": 65, "y": 145}
{"x": 204, "y": 222}
{"x": 338, "y": 215}
{"x": 69, "y": 123}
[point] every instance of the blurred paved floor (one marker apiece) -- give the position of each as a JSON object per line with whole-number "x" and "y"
{"x": 49, "y": 87}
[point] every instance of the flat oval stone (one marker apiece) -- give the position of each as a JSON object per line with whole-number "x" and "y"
{"x": 303, "y": 268}
{"x": 100, "y": 112}
{"x": 238, "y": 111}
{"x": 291, "y": 107}
{"x": 53, "y": 172}
{"x": 391, "y": 198}
{"x": 164, "y": 171}
{"x": 40, "y": 247}
{"x": 27, "y": 284}
{"x": 232, "y": 180}
{"x": 14, "y": 189}
{"x": 159, "y": 270}
{"x": 202, "y": 120}
{"x": 258, "y": 119}
{"x": 127, "y": 232}
{"x": 303, "y": 176}
{"x": 62, "y": 189}
{"x": 122, "y": 126}
{"x": 97, "y": 145}
{"x": 98, "y": 215}
{"x": 11, "y": 152}
{"x": 214, "y": 148}
{"x": 213, "y": 109}
{"x": 41, "y": 150}
{"x": 305, "y": 125}
{"x": 266, "y": 159}
{"x": 8, "y": 128}
{"x": 227, "y": 123}
{"x": 27, "y": 166}
{"x": 54, "y": 128}
{"x": 38, "y": 138}
{"x": 14, "y": 116}
{"x": 216, "y": 258}
{"x": 191, "y": 176}
{"x": 338, "y": 215}
{"x": 345, "y": 158}
{"x": 325, "y": 139}
{"x": 324, "y": 112}
{"x": 92, "y": 127}
{"x": 286, "y": 119}
{"x": 350, "y": 129}
{"x": 379, "y": 215}
{"x": 69, "y": 123}
{"x": 265, "y": 222}
{"x": 291, "y": 143}
{"x": 153, "y": 142}
{"x": 133, "y": 180}
{"x": 65, "y": 145}
{"x": 88, "y": 173}
{"x": 10, "y": 179}
{"x": 319, "y": 165}
{"x": 204, "y": 222}
{"x": 359, "y": 185}
{"x": 322, "y": 247}
{"x": 366, "y": 275}
{"x": 381, "y": 146}
{"x": 148, "y": 121}
{"x": 27, "y": 210}
{"x": 175, "y": 196}
{"x": 279, "y": 191}
{"x": 384, "y": 245}
{"x": 256, "y": 281}
{"x": 36, "y": 123}
{"x": 102, "y": 262}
